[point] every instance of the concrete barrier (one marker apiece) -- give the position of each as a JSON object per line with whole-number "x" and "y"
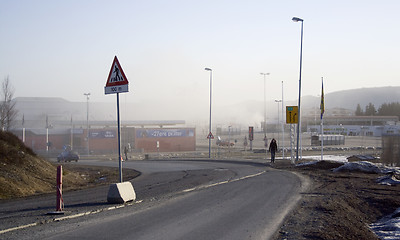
{"x": 121, "y": 193}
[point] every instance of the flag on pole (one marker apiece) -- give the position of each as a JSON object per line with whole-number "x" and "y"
{"x": 322, "y": 106}
{"x": 23, "y": 120}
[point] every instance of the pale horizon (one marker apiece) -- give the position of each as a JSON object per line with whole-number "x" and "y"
{"x": 65, "y": 49}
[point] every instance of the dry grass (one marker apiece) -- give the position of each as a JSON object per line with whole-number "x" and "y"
{"x": 23, "y": 173}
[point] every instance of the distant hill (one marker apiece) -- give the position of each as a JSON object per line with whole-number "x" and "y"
{"x": 350, "y": 98}
{"x": 252, "y": 111}
{"x": 248, "y": 112}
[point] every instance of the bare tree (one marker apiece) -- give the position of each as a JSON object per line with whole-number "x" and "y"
{"x": 8, "y": 112}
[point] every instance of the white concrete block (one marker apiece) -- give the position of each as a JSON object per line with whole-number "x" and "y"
{"x": 121, "y": 193}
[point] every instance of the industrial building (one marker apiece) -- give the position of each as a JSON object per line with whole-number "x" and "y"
{"x": 48, "y": 124}
{"x": 375, "y": 126}
{"x": 105, "y": 140}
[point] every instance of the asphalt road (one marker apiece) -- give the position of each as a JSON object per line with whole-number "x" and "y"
{"x": 179, "y": 200}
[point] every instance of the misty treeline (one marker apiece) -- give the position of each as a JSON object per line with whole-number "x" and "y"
{"x": 386, "y": 109}
{"x": 8, "y": 112}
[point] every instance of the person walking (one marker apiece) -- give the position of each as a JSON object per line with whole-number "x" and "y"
{"x": 273, "y": 147}
{"x": 126, "y": 153}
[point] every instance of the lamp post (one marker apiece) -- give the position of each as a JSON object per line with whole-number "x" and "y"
{"x": 283, "y": 128}
{"x": 296, "y": 19}
{"x": 87, "y": 120}
{"x": 265, "y": 108}
{"x": 209, "y": 136}
{"x": 277, "y": 125}
{"x": 278, "y": 101}
{"x": 229, "y": 138}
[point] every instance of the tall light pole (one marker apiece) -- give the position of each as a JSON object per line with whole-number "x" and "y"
{"x": 265, "y": 108}
{"x": 278, "y": 101}
{"x": 87, "y": 120}
{"x": 209, "y": 136}
{"x": 296, "y": 19}
{"x": 277, "y": 125}
{"x": 283, "y": 127}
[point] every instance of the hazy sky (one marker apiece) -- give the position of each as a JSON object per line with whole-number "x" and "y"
{"x": 66, "y": 48}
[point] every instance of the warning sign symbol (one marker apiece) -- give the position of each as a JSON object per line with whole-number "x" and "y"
{"x": 116, "y": 77}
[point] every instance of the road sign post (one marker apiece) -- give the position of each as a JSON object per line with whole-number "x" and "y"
{"x": 117, "y": 83}
{"x": 292, "y": 117}
{"x": 292, "y": 132}
{"x": 251, "y": 137}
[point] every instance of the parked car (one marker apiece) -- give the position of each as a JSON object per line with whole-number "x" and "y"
{"x": 68, "y": 156}
{"x": 223, "y": 143}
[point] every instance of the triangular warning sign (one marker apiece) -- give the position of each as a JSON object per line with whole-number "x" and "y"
{"x": 116, "y": 81}
{"x": 116, "y": 77}
{"x": 210, "y": 136}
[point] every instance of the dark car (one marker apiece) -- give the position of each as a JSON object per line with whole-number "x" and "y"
{"x": 68, "y": 156}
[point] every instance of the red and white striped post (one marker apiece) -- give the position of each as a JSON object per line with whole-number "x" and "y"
{"x": 59, "y": 189}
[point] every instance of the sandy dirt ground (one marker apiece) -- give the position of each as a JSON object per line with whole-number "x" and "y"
{"x": 338, "y": 205}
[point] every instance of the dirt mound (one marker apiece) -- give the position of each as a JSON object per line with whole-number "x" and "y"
{"x": 23, "y": 173}
{"x": 12, "y": 149}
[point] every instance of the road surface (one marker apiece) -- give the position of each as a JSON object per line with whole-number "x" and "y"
{"x": 186, "y": 200}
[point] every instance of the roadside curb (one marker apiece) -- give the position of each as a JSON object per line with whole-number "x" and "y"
{"x": 69, "y": 217}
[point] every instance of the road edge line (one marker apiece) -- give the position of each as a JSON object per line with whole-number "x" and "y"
{"x": 69, "y": 217}
{"x": 223, "y": 182}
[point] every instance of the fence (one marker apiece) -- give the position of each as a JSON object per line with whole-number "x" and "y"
{"x": 328, "y": 140}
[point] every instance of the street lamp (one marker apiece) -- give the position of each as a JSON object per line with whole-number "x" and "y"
{"x": 277, "y": 125}
{"x": 87, "y": 120}
{"x": 209, "y": 135}
{"x": 283, "y": 128}
{"x": 265, "y": 108}
{"x": 296, "y": 19}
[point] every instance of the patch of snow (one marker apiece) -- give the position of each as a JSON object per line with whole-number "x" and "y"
{"x": 389, "y": 180}
{"x": 307, "y": 163}
{"x": 365, "y": 166}
{"x": 388, "y": 227}
{"x": 333, "y": 158}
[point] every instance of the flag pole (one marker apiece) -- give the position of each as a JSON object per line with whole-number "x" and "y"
{"x": 322, "y": 107}
{"x": 322, "y": 139}
{"x": 23, "y": 128}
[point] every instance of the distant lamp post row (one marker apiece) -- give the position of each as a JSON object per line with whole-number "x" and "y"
{"x": 296, "y": 19}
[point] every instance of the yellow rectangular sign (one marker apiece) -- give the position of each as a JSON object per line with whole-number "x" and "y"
{"x": 292, "y": 114}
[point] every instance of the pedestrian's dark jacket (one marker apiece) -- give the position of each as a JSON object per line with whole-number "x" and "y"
{"x": 272, "y": 146}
